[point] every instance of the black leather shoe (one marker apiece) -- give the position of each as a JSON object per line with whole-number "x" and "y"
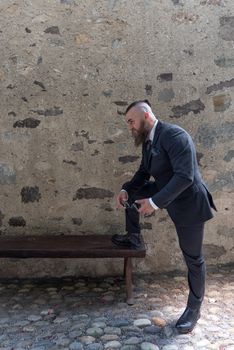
{"x": 188, "y": 320}
{"x": 130, "y": 240}
{"x": 119, "y": 237}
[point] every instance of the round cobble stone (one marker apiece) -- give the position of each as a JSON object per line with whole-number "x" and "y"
{"x": 187, "y": 347}
{"x": 75, "y": 334}
{"x": 142, "y": 322}
{"x": 81, "y": 318}
{"x": 168, "y": 331}
{"x": 133, "y": 341}
{"x": 149, "y": 346}
{"x": 120, "y": 322}
{"x": 108, "y": 298}
{"x": 184, "y": 339}
{"x": 109, "y": 337}
{"x": 142, "y": 316}
{"x": 160, "y": 322}
{"x": 21, "y": 323}
{"x": 63, "y": 341}
{"x": 42, "y": 343}
{"x": 100, "y": 319}
{"x": 151, "y": 330}
{"x": 112, "y": 330}
{"x": 76, "y": 346}
{"x": 4, "y": 321}
{"x": 34, "y": 318}
{"x": 132, "y": 330}
{"x": 94, "y": 332}
{"x": 12, "y": 330}
{"x": 95, "y": 346}
{"x": 87, "y": 340}
{"x": 156, "y": 313}
{"x": 78, "y": 326}
{"x": 203, "y": 343}
{"x": 99, "y": 324}
{"x": 113, "y": 345}
{"x": 60, "y": 319}
{"x": 29, "y": 329}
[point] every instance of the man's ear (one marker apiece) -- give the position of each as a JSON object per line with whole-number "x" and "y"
{"x": 146, "y": 115}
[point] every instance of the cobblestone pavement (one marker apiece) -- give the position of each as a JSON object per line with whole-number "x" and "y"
{"x": 91, "y": 314}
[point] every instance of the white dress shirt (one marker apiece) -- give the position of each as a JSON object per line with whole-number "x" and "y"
{"x": 151, "y": 138}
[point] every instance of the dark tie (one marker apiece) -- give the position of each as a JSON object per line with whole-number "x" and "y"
{"x": 148, "y": 145}
{"x": 148, "y": 149}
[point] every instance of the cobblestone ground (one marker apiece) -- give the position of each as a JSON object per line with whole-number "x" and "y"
{"x": 91, "y": 314}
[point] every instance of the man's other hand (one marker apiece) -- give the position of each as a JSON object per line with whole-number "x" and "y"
{"x": 145, "y": 206}
{"x": 121, "y": 198}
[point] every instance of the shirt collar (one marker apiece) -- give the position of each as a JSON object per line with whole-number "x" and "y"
{"x": 152, "y": 131}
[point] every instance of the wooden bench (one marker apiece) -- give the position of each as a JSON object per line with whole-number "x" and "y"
{"x": 71, "y": 246}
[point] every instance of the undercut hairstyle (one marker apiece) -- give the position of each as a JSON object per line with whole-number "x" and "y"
{"x": 133, "y": 104}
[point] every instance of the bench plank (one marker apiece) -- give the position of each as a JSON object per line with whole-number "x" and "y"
{"x": 65, "y": 246}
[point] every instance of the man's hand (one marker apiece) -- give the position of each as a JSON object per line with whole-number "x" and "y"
{"x": 145, "y": 206}
{"x": 121, "y": 198}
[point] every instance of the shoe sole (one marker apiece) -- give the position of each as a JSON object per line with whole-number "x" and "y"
{"x": 124, "y": 245}
{"x": 188, "y": 330}
{"x": 184, "y": 331}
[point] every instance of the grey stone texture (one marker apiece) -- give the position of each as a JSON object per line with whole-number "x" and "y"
{"x": 221, "y": 103}
{"x": 68, "y": 71}
{"x": 7, "y": 175}
{"x": 230, "y": 154}
{"x": 166, "y": 95}
{"x": 227, "y": 28}
{"x": 17, "y": 221}
{"x": 224, "y": 62}
{"x": 27, "y": 123}
{"x": 195, "y": 106}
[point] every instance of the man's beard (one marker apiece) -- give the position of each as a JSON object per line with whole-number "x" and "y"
{"x": 140, "y": 135}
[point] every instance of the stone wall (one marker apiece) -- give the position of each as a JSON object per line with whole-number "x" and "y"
{"x": 68, "y": 70}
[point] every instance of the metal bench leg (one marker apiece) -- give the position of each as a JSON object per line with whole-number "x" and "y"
{"x": 128, "y": 279}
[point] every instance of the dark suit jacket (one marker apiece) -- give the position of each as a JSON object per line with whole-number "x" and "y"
{"x": 173, "y": 165}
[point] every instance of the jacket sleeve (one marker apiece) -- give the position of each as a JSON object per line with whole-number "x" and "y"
{"x": 138, "y": 179}
{"x": 181, "y": 152}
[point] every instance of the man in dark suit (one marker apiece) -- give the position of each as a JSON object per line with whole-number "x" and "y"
{"x": 169, "y": 156}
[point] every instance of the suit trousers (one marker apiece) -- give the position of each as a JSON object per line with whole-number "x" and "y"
{"x": 190, "y": 241}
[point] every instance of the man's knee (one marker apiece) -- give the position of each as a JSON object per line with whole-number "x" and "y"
{"x": 131, "y": 192}
{"x": 148, "y": 189}
{"x": 194, "y": 261}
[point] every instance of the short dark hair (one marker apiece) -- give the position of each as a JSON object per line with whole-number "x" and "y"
{"x": 135, "y": 103}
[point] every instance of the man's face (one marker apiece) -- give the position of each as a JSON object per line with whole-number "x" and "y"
{"x": 138, "y": 127}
